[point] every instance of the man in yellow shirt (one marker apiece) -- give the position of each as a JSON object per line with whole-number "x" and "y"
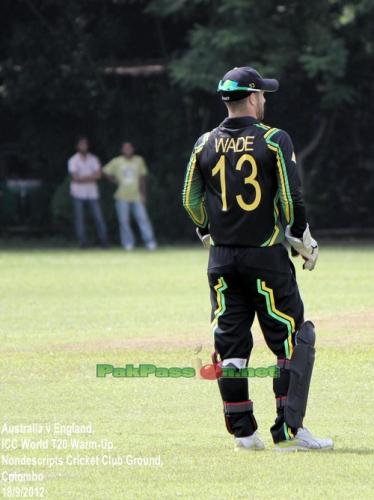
{"x": 128, "y": 171}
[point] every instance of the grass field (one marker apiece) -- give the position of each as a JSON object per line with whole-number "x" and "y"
{"x": 62, "y": 312}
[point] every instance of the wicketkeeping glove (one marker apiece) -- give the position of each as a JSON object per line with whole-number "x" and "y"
{"x": 306, "y": 246}
{"x": 204, "y": 238}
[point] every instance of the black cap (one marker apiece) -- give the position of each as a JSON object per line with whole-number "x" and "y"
{"x": 238, "y": 83}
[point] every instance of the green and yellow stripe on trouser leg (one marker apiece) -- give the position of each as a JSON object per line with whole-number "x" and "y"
{"x": 287, "y": 321}
{"x": 219, "y": 288}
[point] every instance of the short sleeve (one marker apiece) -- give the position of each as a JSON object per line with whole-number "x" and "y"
{"x": 72, "y": 166}
{"x": 143, "y": 170}
{"x": 110, "y": 168}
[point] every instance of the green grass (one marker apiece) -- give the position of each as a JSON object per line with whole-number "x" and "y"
{"x": 64, "y": 311}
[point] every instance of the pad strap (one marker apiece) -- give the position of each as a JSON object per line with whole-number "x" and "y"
{"x": 283, "y": 363}
{"x": 281, "y": 402}
{"x": 240, "y": 407}
{"x": 239, "y": 418}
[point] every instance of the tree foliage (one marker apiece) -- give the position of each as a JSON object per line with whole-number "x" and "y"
{"x": 294, "y": 40}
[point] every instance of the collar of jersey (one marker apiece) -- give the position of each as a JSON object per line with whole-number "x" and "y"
{"x": 242, "y": 121}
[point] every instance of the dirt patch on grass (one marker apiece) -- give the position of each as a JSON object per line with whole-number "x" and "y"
{"x": 335, "y": 330}
{"x": 346, "y": 329}
{"x": 141, "y": 344}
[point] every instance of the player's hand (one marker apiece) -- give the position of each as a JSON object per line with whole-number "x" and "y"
{"x": 204, "y": 238}
{"x": 306, "y": 246}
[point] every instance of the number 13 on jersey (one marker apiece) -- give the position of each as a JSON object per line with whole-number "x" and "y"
{"x": 251, "y": 179}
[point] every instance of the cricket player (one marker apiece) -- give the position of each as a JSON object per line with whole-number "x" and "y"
{"x": 242, "y": 191}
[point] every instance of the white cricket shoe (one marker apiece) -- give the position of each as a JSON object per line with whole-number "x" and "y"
{"x": 251, "y": 443}
{"x": 305, "y": 441}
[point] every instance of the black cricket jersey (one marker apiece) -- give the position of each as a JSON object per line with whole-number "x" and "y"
{"x": 242, "y": 184}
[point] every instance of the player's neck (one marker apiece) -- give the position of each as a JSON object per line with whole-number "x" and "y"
{"x": 241, "y": 114}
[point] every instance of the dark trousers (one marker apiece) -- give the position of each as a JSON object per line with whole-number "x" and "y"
{"x": 80, "y": 225}
{"x": 248, "y": 281}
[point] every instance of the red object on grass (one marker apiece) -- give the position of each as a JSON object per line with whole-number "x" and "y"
{"x": 211, "y": 371}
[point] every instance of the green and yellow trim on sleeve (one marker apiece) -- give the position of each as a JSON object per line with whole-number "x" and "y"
{"x": 286, "y": 198}
{"x": 193, "y": 190}
{"x": 277, "y": 235}
{"x": 275, "y": 313}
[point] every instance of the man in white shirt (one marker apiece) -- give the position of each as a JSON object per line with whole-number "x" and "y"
{"x": 85, "y": 171}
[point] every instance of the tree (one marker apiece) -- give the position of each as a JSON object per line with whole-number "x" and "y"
{"x": 321, "y": 51}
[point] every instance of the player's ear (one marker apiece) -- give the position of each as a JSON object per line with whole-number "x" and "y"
{"x": 252, "y": 99}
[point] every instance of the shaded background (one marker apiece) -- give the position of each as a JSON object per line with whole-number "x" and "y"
{"x": 147, "y": 71}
